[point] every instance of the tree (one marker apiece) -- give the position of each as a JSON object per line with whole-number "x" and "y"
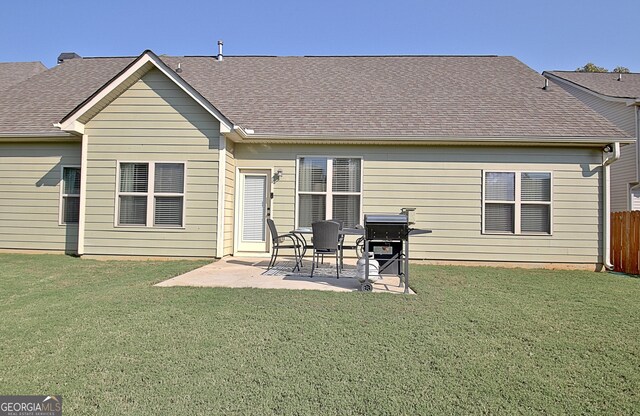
{"x": 591, "y": 67}
{"x": 621, "y": 70}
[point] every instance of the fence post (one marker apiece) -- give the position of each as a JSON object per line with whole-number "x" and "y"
{"x": 634, "y": 242}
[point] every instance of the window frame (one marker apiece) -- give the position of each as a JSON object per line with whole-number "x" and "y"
{"x": 329, "y": 193}
{"x": 63, "y": 195}
{"x": 151, "y": 196}
{"x": 517, "y": 202}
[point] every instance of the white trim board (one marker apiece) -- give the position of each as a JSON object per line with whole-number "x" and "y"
{"x": 222, "y": 181}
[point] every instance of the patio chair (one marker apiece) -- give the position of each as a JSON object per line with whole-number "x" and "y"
{"x": 325, "y": 241}
{"x": 278, "y": 242}
{"x": 340, "y": 241}
{"x": 358, "y": 246}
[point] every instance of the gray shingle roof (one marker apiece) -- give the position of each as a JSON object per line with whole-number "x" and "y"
{"x": 605, "y": 83}
{"x": 12, "y": 73}
{"x": 33, "y": 107}
{"x": 395, "y": 96}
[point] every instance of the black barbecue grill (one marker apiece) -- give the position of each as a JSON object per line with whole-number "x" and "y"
{"x": 386, "y": 227}
{"x": 388, "y": 235}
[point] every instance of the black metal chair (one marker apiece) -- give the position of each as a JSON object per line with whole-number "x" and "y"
{"x": 304, "y": 246}
{"x": 277, "y": 242}
{"x": 358, "y": 246}
{"x": 340, "y": 241}
{"x": 326, "y": 241}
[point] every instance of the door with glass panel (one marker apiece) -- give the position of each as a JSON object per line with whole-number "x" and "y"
{"x": 252, "y": 211}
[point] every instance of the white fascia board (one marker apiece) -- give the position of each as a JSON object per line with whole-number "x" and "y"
{"x": 241, "y": 135}
{"x": 72, "y": 126}
{"x": 41, "y": 136}
{"x": 68, "y": 124}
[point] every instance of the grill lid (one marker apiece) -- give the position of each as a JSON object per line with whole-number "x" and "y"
{"x": 385, "y": 219}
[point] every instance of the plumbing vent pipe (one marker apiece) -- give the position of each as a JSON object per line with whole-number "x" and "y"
{"x": 220, "y": 50}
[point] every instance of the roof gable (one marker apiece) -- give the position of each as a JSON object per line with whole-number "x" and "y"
{"x": 611, "y": 84}
{"x": 123, "y": 80}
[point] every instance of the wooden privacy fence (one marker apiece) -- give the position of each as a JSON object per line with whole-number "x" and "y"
{"x": 625, "y": 241}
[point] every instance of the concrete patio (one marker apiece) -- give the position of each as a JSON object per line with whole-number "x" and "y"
{"x": 236, "y": 272}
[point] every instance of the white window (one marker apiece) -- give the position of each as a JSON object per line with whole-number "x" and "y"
{"x": 517, "y": 202}
{"x": 70, "y": 195}
{"x": 151, "y": 194}
{"x": 329, "y": 188}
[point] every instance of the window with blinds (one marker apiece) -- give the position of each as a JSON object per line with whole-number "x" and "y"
{"x": 254, "y": 208}
{"x": 329, "y": 188}
{"x": 151, "y": 193}
{"x": 535, "y": 190}
{"x": 517, "y": 202}
{"x": 70, "y": 209}
{"x": 134, "y": 187}
{"x": 168, "y": 194}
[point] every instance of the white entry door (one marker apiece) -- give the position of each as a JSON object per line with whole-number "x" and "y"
{"x": 252, "y": 211}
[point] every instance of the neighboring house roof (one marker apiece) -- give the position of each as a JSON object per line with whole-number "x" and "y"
{"x": 34, "y": 106}
{"x": 344, "y": 96}
{"x": 12, "y": 73}
{"x": 605, "y": 83}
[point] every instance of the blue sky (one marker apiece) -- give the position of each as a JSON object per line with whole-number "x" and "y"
{"x": 543, "y": 34}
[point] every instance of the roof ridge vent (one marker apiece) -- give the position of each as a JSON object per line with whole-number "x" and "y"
{"x": 65, "y": 56}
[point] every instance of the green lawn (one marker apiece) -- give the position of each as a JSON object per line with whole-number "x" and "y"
{"x": 473, "y": 340}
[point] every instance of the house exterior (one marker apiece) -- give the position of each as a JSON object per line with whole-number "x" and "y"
{"x": 186, "y": 156}
{"x": 617, "y": 98}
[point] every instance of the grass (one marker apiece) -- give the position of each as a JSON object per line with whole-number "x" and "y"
{"x": 473, "y": 340}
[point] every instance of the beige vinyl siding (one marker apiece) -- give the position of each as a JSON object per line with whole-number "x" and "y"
{"x": 122, "y": 87}
{"x": 623, "y": 171}
{"x": 444, "y": 184}
{"x": 152, "y": 121}
{"x": 229, "y": 199}
{"x": 30, "y": 180}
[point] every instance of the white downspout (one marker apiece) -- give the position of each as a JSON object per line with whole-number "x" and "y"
{"x": 607, "y": 159}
